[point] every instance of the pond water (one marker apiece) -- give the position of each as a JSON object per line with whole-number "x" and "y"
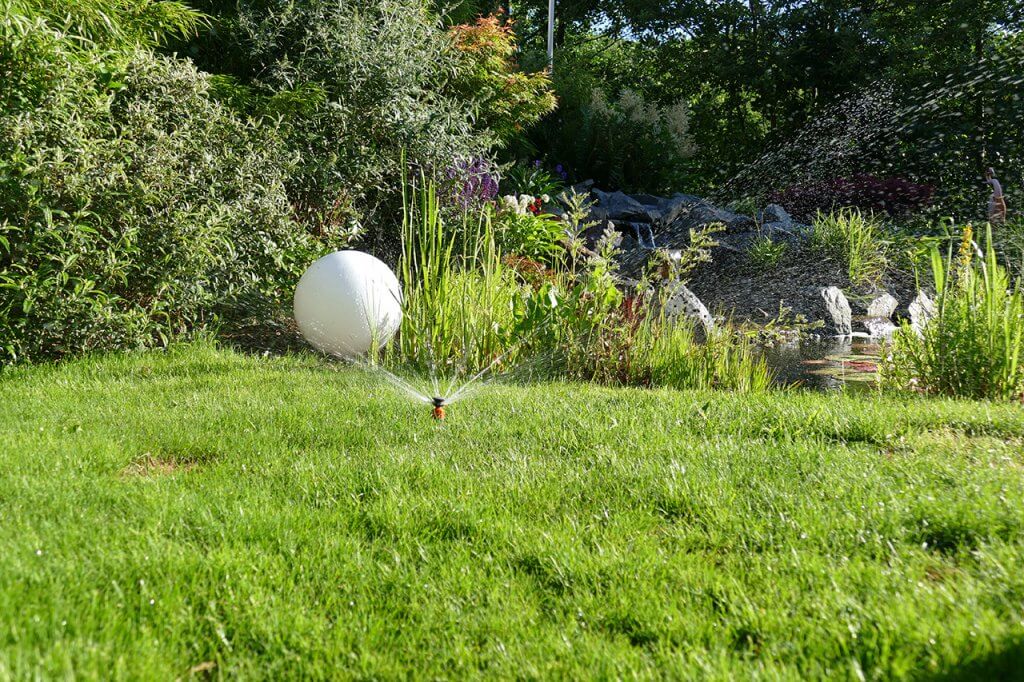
{"x": 827, "y": 364}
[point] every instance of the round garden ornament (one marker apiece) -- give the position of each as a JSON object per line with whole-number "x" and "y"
{"x": 347, "y": 302}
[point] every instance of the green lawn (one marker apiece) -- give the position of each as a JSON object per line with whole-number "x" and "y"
{"x": 282, "y": 518}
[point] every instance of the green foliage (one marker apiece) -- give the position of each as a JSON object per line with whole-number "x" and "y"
{"x": 358, "y": 86}
{"x": 620, "y": 139}
{"x": 468, "y": 309}
{"x": 507, "y": 100}
{"x": 459, "y": 301}
{"x": 972, "y": 346}
{"x": 134, "y": 208}
{"x": 679, "y": 265}
{"x": 110, "y": 23}
{"x": 765, "y": 253}
{"x": 531, "y": 179}
{"x": 855, "y": 240}
{"x": 538, "y": 237}
{"x": 668, "y": 354}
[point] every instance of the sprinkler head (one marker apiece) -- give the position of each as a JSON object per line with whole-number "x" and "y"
{"x": 438, "y": 412}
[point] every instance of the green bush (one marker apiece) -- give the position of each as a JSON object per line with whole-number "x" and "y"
{"x": 357, "y": 86}
{"x": 507, "y": 100}
{"x": 972, "y": 346}
{"x": 764, "y": 253}
{"x": 538, "y": 237}
{"x": 134, "y": 208}
{"x": 109, "y": 23}
{"x": 620, "y": 139}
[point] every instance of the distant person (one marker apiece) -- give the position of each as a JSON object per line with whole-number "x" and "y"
{"x": 997, "y": 202}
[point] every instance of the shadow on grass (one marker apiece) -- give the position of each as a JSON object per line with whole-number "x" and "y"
{"x": 1006, "y": 664}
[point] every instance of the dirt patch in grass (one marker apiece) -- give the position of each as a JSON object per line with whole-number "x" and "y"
{"x": 150, "y": 465}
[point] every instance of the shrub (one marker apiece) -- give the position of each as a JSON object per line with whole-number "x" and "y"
{"x": 855, "y": 240}
{"x": 534, "y": 179}
{"x": 134, "y": 207}
{"x": 358, "y": 85}
{"x": 891, "y": 196}
{"x": 971, "y": 347}
{"x": 621, "y": 141}
{"x": 110, "y": 23}
{"x": 535, "y": 236}
{"x": 506, "y": 100}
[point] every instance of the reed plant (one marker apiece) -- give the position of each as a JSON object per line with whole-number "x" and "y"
{"x": 459, "y": 299}
{"x": 856, "y": 240}
{"x": 971, "y": 347}
{"x": 667, "y": 353}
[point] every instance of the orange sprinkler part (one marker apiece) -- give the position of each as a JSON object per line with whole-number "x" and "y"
{"x": 439, "y": 404}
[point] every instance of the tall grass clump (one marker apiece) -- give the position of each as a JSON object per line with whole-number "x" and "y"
{"x": 460, "y": 300}
{"x": 856, "y": 240}
{"x": 668, "y": 354}
{"x": 971, "y": 347}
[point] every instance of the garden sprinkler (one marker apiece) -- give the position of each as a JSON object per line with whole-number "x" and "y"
{"x": 438, "y": 412}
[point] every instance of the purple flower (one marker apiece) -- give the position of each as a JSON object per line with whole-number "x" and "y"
{"x": 471, "y": 182}
{"x": 537, "y": 163}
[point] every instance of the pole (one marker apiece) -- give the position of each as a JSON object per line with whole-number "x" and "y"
{"x": 551, "y": 34}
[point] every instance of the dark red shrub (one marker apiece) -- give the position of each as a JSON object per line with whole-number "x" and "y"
{"x": 892, "y": 196}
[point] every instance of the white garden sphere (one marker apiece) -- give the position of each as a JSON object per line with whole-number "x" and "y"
{"x": 347, "y": 300}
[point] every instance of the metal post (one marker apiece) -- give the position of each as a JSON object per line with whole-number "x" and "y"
{"x": 551, "y": 34}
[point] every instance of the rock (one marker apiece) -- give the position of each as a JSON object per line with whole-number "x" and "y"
{"x": 883, "y": 307}
{"x": 670, "y": 209}
{"x": 773, "y": 214}
{"x": 583, "y": 187}
{"x": 921, "y": 310}
{"x": 622, "y": 207}
{"x": 683, "y": 302}
{"x": 646, "y": 199}
{"x": 838, "y": 316}
{"x": 880, "y": 327}
{"x": 704, "y": 213}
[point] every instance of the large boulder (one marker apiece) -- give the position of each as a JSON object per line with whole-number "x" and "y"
{"x": 670, "y": 209}
{"x": 838, "y": 315}
{"x": 704, "y": 213}
{"x": 623, "y": 208}
{"x": 883, "y": 306}
{"x": 773, "y": 214}
{"x": 681, "y": 302}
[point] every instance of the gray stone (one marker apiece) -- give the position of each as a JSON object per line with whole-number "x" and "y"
{"x": 883, "y": 306}
{"x": 621, "y": 207}
{"x": 704, "y": 213}
{"x": 880, "y": 327}
{"x": 683, "y": 302}
{"x": 646, "y": 199}
{"x": 670, "y": 209}
{"x": 773, "y": 214}
{"x": 583, "y": 187}
{"x": 921, "y": 310}
{"x": 838, "y": 316}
